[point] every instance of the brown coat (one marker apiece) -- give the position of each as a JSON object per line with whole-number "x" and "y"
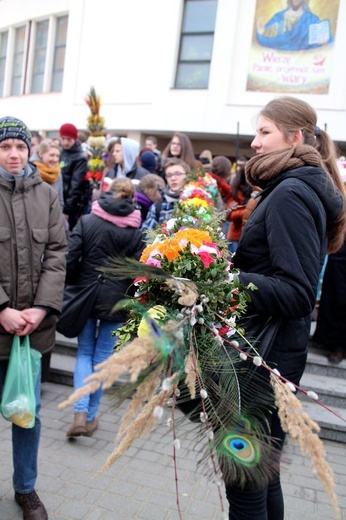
{"x": 33, "y": 255}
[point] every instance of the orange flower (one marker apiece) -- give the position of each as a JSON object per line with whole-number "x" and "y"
{"x": 146, "y": 252}
{"x": 195, "y": 236}
{"x": 172, "y": 245}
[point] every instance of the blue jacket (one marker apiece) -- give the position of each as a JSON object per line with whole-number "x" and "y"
{"x": 295, "y": 39}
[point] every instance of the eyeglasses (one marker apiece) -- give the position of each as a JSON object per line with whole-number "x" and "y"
{"x": 173, "y": 143}
{"x": 174, "y": 174}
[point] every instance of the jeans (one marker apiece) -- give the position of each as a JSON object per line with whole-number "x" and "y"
{"x": 95, "y": 344}
{"x": 25, "y": 442}
{"x": 233, "y": 246}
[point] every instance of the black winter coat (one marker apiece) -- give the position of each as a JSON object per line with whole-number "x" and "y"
{"x": 92, "y": 243}
{"x": 73, "y": 164}
{"x": 282, "y": 250}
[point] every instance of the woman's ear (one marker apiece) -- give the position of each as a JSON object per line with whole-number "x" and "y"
{"x": 298, "y": 138}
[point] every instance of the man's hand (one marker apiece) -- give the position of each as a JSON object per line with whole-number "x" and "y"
{"x": 33, "y": 318}
{"x": 12, "y": 320}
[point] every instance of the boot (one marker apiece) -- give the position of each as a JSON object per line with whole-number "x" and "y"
{"x": 32, "y": 507}
{"x": 91, "y": 426}
{"x": 78, "y": 426}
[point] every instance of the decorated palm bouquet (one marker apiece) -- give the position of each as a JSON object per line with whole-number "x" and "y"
{"x": 185, "y": 347}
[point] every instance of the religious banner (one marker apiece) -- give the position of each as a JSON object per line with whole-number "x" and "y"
{"x": 292, "y": 46}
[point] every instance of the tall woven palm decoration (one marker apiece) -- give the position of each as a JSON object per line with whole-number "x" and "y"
{"x": 96, "y": 140}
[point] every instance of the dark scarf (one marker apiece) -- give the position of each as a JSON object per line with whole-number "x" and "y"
{"x": 268, "y": 166}
{"x": 172, "y": 196}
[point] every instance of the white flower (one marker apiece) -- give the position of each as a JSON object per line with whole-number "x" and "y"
{"x": 203, "y": 417}
{"x": 208, "y": 249}
{"x": 290, "y": 386}
{"x": 199, "y": 308}
{"x": 312, "y": 395}
{"x": 243, "y": 356}
{"x": 257, "y": 361}
{"x": 203, "y": 393}
{"x": 210, "y": 435}
{"x": 158, "y": 412}
{"x": 276, "y": 372}
{"x": 171, "y": 223}
{"x": 176, "y": 444}
{"x": 169, "y": 423}
{"x": 166, "y": 384}
{"x": 218, "y": 339}
{"x": 234, "y": 343}
{"x": 201, "y": 321}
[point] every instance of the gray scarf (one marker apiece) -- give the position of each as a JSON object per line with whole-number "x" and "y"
{"x": 172, "y": 196}
{"x": 26, "y": 172}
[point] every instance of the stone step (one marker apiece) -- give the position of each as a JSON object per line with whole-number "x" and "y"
{"x": 330, "y": 390}
{"x": 332, "y": 427}
{"x": 317, "y": 363}
{"x": 65, "y": 345}
{"x": 62, "y": 368}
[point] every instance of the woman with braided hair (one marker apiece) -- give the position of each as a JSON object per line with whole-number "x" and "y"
{"x": 300, "y": 217}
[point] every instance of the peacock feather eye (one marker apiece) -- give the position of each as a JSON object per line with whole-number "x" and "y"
{"x": 242, "y": 448}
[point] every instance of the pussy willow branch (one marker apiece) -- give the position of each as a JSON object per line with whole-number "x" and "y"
{"x": 276, "y": 373}
{"x": 207, "y": 422}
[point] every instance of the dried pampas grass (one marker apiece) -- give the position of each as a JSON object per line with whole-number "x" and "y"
{"x": 302, "y": 429}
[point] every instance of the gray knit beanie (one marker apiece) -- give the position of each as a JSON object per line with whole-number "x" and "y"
{"x": 12, "y": 128}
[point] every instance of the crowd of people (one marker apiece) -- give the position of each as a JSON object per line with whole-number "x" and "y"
{"x": 283, "y": 212}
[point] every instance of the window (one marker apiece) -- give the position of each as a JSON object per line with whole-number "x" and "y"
{"x": 18, "y": 61}
{"x": 39, "y": 56}
{"x": 59, "y": 54}
{"x": 196, "y": 44}
{"x": 3, "y": 51}
{"x": 32, "y": 57}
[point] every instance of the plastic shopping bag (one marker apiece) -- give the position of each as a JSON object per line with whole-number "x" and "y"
{"x": 18, "y": 403}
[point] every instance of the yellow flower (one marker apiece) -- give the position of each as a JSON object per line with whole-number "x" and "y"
{"x": 156, "y": 313}
{"x": 195, "y": 202}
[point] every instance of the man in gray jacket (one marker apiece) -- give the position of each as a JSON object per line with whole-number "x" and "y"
{"x": 32, "y": 275}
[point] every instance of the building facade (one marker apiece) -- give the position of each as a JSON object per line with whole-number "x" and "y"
{"x": 203, "y": 67}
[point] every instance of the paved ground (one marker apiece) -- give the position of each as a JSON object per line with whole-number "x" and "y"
{"x": 141, "y": 486}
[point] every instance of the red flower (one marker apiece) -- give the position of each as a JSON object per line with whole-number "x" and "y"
{"x": 206, "y": 258}
{"x": 141, "y": 279}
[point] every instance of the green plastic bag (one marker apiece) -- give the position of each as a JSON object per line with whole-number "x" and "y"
{"x": 18, "y": 403}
